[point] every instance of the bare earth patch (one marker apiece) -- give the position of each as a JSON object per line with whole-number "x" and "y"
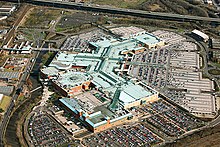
{"x": 154, "y": 7}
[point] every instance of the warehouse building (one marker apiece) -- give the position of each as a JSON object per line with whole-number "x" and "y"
{"x": 198, "y": 35}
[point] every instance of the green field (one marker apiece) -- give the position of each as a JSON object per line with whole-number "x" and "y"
{"x": 214, "y": 72}
{"x": 5, "y": 102}
{"x": 41, "y": 17}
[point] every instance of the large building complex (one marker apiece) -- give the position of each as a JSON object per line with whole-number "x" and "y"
{"x": 103, "y": 69}
{"x": 103, "y": 82}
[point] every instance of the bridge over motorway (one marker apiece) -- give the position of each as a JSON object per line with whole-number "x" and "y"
{"x": 33, "y": 49}
{"x": 131, "y": 12}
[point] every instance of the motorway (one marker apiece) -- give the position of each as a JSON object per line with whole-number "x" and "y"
{"x": 132, "y": 12}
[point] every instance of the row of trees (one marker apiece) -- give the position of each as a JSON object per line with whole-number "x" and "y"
{"x": 1, "y": 110}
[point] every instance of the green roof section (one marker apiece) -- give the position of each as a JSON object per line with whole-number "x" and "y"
{"x": 115, "y": 101}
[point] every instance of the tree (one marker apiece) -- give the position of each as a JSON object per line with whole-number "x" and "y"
{"x": 1, "y": 110}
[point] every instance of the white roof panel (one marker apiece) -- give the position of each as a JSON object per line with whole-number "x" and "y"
{"x": 125, "y": 98}
{"x": 201, "y": 34}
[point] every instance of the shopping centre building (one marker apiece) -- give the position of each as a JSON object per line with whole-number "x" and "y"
{"x": 103, "y": 70}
